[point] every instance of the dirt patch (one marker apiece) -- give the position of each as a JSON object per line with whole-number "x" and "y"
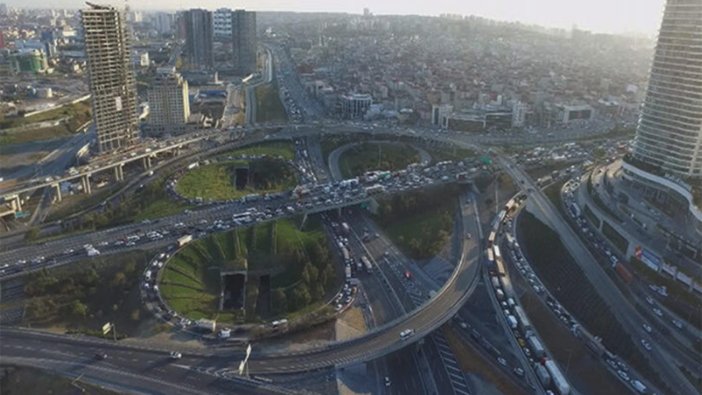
{"x": 22, "y": 380}
{"x": 350, "y": 325}
{"x": 471, "y": 361}
{"x": 583, "y": 369}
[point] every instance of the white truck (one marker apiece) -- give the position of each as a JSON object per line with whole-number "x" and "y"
{"x": 90, "y": 250}
{"x": 184, "y": 240}
{"x": 639, "y": 386}
{"x": 559, "y": 381}
{"x": 512, "y": 321}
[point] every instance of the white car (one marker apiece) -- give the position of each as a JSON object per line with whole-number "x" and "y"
{"x": 175, "y": 355}
{"x": 646, "y": 345}
{"x": 405, "y": 334}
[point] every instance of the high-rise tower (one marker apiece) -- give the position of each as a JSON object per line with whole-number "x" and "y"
{"x": 112, "y": 85}
{"x": 169, "y": 107}
{"x": 669, "y": 134}
{"x": 244, "y": 42}
{"x": 198, "y": 39}
{"x": 666, "y": 162}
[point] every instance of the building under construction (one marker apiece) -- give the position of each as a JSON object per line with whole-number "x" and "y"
{"x": 112, "y": 85}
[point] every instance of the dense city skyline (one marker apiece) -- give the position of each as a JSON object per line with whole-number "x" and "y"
{"x": 624, "y": 16}
{"x": 288, "y": 197}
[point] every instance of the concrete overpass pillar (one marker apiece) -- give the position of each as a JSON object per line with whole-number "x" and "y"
{"x": 146, "y": 161}
{"x": 85, "y": 182}
{"x": 16, "y": 203}
{"x": 57, "y": 189}
{"x": 119, "y": 172}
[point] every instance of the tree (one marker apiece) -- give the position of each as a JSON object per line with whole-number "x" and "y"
{"x": 309, "y": 274}
{"x": 280, "y": 300}
{"x": 78, "y": 309}
{"x": 130, "y": 267}
{"x": 318, "y": 291}
{"x": 119, "y": 279}
{"x": 302, "y": 296}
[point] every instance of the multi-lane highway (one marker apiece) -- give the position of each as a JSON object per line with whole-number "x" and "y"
{"x": 315, "y": 198}
{"x": 128, "y": 369}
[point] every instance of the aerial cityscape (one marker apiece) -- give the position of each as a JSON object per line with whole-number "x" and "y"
{"x": 311, "y": 198}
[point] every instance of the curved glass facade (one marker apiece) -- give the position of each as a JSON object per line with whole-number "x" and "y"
{"x": 669, "y": 134}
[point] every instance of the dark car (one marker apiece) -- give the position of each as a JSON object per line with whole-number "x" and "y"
{"x": 100, "y": 356}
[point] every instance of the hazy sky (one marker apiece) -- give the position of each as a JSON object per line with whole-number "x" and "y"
{"x": 611, "y": 16}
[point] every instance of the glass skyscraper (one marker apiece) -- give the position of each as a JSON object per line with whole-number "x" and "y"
{"x": 669, "y": 135}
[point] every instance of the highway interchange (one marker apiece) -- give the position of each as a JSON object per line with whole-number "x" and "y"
{"x": 214, "y": 371}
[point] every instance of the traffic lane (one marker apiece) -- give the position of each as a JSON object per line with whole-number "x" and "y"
{"x": 380, "y": 280}
{"x": 219, "y": 211}
{"x": 146, "y": 363}
{"x": 404, "y": 374}
{"x": 480, "y": 313}
{"x": 384, "y": 308}
{"x": 441, "y": 378}
{"x": 107, "y": 377}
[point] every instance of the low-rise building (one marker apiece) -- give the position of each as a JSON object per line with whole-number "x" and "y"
{"x": 354, "y": 105}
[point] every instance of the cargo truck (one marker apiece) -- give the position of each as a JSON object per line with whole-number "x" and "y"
{"x": 535, "y": 346}
{"x": 559, "y": 382}
{"x": 524, "y": 323}
{"x": 542, "y": 375}
{"x": 346, "y": 228}
{"x": 345, "y": 253}
{"x": 495, "y": 282}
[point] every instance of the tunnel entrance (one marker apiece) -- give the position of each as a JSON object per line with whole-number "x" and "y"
{"x": 263, "y": 304}
{"x": 241, "y": 177}
{"x": 233, "y": 291}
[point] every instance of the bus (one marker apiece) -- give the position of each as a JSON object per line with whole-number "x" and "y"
{"x": 491, "y": 239}
{"x": 500, "y": 267}
{"x": 345, "y": 253}
{"x": 498, "y": 255}
{"x": 241, "y": 218}
{"x": 490, "y": 256}
{"x": 511, "y": 205}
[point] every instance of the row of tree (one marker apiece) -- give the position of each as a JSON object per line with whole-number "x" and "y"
{"x": 316, "y": 279}
{"x": 62, "y": 296}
